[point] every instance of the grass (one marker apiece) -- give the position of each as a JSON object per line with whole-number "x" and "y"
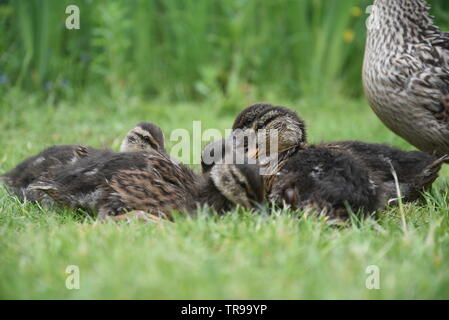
{"x": 239, "y": 256}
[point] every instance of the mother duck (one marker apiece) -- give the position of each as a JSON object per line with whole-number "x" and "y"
{"x": 406, "y": 73}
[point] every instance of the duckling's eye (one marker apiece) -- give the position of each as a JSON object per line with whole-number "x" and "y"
{"x": 247, "y": 123}
{"x": 241, "y": 184}
{"x": 260, "y": 125}
{"x": 147, "y": 140}
{"x": 150, "y": 142}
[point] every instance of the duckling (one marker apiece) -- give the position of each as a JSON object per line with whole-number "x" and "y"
{"x": 406, "y": 73}
{"x": 116, "y": 184}
{"x": 416, "y": 171}
{"x": 270, "y": 121}
{"x": 144, "y": 136}
{"x": 328, "y": 181}
{"x": 259, "y": 122}
{"x": 24, "y": 174}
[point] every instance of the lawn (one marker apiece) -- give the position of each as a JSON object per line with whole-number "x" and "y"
{"x": 241, "y": 255}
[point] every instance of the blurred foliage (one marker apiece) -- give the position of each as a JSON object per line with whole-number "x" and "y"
{"x": 187, "y": 49}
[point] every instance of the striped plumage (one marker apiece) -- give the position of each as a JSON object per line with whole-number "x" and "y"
{"x": 28, "y": 171}
{"x": 114, "y": 183}
{"x": 117, "y": 183}
{"x": 406, "y": 73}
{"x": 144, "y": 136}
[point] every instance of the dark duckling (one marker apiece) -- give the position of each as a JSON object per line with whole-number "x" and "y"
{"x": 118, "y": 184}
{"x": 144, "y": 136}
{"x": 416, "y": 171}
{"x": 329, "y": 182}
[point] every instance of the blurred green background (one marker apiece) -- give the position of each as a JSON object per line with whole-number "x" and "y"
{"x": 187, "y": 49}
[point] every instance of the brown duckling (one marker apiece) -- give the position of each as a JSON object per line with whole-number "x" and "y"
{"x": 115, "y": 184}
{"x": 328, "y": 181}
{"x": 269, "y": 121}
{"x": 144, "y": 136}
{"x": 259, "y": 122}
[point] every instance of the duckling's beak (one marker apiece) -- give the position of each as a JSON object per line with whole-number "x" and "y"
{"x": 253, "y": 153}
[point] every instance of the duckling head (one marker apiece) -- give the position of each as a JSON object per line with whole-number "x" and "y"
{"x": 233, "y": 149}
{"x": 144, "y": 136}
{"x": 266, "y": 119}
{"x": 239, "y": 183}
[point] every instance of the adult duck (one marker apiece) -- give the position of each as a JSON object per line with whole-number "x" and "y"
{"x": 406, "y": 73}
